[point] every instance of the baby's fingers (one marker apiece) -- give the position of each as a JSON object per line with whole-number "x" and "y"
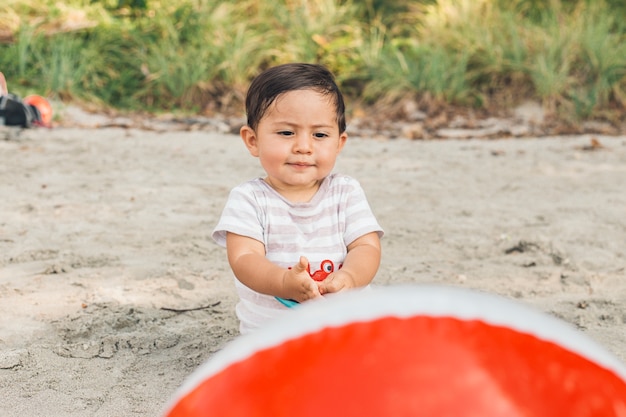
{"x": 301, "y": 266}
{"x": 333, "y": 283}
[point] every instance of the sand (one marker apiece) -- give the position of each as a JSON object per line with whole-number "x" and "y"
{"x": 105, "y": 233}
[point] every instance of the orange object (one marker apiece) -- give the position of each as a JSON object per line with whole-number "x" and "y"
{"x": 327, "y": 267}
{"x": 409, "y": 351}
{"x": 43, "y": 106}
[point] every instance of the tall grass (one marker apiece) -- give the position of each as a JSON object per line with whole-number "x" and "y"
{"x": 600, "y": 67}
{"x": 199, "y": 55}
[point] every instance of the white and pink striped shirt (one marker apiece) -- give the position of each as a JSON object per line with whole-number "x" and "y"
{"x": 320, "y": 229}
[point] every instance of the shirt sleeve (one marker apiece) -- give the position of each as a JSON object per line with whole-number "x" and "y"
{"x": 240, "y": 216}
{"x": 359, "y": 218}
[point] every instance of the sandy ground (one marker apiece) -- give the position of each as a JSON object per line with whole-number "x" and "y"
{"x": 104, "y": 231}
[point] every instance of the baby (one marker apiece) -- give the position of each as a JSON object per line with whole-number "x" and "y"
{"x": 300, "y": 219}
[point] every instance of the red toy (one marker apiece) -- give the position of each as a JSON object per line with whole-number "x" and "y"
{"x": 44, "y": 108}
{"x": 326, "y": 268}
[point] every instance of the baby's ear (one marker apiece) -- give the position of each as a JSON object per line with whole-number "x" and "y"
{"x": 343, "y": 138}
{"x": 249, "y": 139}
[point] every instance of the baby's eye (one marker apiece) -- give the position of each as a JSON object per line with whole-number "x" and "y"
{"x": 285, "y": 133}
{"x": 320, "y": 135}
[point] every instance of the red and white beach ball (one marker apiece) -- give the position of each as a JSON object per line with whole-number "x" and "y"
{"x": 408, "y": 351}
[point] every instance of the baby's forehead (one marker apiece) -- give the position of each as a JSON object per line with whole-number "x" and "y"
{"x": 301, "y": 99}
{"x": 303, "y": 93}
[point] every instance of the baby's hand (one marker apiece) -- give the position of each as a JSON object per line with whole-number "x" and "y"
{"x": 337, "y": 281}
{"x": 298, "y": 284}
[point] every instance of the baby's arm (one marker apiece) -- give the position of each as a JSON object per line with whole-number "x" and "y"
{"x": 359, "y": 267}
{"x": 249, "y": 264}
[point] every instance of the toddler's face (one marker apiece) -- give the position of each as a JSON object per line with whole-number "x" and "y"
{"x": 297, "y": 142}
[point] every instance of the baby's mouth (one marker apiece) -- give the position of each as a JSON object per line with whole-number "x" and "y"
{"x": 301, "y": 164}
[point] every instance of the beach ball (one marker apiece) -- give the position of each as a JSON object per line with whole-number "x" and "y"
{"x": 408, "y": 351}
{"x": 43, "y": 106}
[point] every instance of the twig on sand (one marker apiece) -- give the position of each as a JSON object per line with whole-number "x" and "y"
{"x": 184, "y": 310}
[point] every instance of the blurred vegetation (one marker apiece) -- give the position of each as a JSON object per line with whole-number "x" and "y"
{"x": 198, "y": 56}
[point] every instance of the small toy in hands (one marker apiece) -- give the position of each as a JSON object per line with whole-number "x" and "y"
{"x": 326, "y": 268}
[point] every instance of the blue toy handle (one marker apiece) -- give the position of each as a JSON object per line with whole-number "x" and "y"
{"x": 288, "y": 303}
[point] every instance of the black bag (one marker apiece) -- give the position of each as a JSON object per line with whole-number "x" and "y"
{"x": 14, "y": 112}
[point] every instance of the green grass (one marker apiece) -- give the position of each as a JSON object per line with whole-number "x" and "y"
{"x": 199, "y": 56}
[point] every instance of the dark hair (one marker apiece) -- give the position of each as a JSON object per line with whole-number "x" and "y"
{"x": 273, "y": 82}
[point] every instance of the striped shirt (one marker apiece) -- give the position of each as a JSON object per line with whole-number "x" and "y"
{"x": 320, "y": 229}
